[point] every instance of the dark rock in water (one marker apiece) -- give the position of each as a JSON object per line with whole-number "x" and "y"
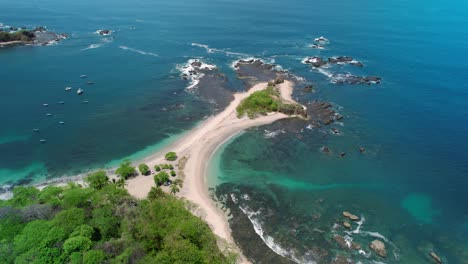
{"x": 435, "y": 257}
{"x": 308, "y": 88}
{"x": 340, "y": 259}
{"x": 372, "y": 79}
{"x": 254, "y": 71}
{"x": 335, "y": 131}
{"x": 104, "y": 32}
{"x": 341, "y": 241}
{"x": 362, "y": 150}
{"x": 321, "y": 112}
{"x": 325, "y": 150}
{"x": 342, "y": 154}
{"x": 196, "y": 64}
{"x": 356, "y": 63}
{"x": 279, "y": 79}
{"x": 315, "y": 61}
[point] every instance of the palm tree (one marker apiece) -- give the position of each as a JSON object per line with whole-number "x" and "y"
{"x": 176, "y": 185}
{"x": 121, "y": 183}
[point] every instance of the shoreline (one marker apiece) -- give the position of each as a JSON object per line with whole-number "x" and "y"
{"x": 199, "y": 146}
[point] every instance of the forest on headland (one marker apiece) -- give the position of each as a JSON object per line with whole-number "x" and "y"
{"x": 102, "y": 223}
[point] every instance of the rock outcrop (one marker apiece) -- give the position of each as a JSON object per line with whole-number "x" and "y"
{"x": 379, "y": 248}
{"x": 435, "y": 257}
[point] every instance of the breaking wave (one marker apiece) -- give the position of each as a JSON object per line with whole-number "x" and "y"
{"x": 139, "y": 51}
{"x": 213, "y": 50}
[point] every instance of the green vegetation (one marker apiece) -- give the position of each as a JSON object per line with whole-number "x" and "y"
{"x": 171, "y": 156}
{"x": 22, "y": 35}
{"x": 102, "y": 224}
{"x": 176, "y": 185}
{"x": 161, "y": 178}
{"x": 144, "y": 169}
{"x": 259, "y": 102}
{"x": 157, "y": 168}
{"x": 126, "y": 170}
{"x": 266, "y": 101}
{"x": 173, "y": 173}
{"x": 97, "y": 180}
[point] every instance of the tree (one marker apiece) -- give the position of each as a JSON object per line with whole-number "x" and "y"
{"x": 97, "y": 180}
{"x": 157, "y": 168}
{"x": 176, "y": 185}
{"x": 125, "y": 170}
{"x": 120, "y": 183}
{"x": 76, "y": 244}
{"x": 94, "y": 257}
{"x": 161, "y": 178}
{"x": 155, "y": 193}
{"x": 171, "y": 156}
{"x": 173, "y": 173}
{"x": 144, "y": 169}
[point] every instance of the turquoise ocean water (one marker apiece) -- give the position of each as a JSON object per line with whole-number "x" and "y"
{"x": 410, "y": 184}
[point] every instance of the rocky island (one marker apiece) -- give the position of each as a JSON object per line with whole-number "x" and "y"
{"x": 22, "y": 36}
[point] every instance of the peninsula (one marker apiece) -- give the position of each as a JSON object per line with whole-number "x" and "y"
{"x": 200, "y": 143}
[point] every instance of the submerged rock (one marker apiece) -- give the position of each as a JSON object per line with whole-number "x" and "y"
{"x": 350, "y": 215}
{"x": 308, "y": 88}
{"x": 435, "y": 257}
{"x": 379, "y": 248}
{"x": 340, "y": 259}
{"x": 346, "y": 224}
{"x": 362, "y": 150}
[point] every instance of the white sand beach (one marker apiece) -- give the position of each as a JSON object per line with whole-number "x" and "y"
{"x": 198, "y": 146}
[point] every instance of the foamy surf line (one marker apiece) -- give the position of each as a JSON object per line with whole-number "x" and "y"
{"x": 213, "y": 50}
{"x": 139, "y": 51}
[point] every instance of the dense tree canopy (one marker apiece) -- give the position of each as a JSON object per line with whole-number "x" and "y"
{"x": 92, "y": 225}
{"x": 171, "y": 156}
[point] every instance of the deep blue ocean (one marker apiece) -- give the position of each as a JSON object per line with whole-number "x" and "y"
{"x": 409, "y": 185}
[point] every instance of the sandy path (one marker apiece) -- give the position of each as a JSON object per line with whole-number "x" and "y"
{"x": 199, "y": 145}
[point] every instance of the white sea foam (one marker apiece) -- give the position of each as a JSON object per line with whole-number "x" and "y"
{"x": 191, "y": 73}
{"x": 269, "y": 241}
{"x": 139, "y": 51}
{"x": 272, "y": 134}
{"x": 213, "y": 50}
{"x": 93, "y": 46}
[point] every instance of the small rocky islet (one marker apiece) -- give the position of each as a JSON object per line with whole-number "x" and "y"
{"x": 11, "y": 36}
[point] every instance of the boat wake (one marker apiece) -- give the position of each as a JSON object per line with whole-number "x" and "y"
{"x": 93, "y": 46}
{"x": 139, "y": 51}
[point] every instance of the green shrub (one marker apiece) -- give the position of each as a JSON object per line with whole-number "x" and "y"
{"x": 259, "y": 102}
{"x": 77, "y": 244}
{"x": 157, "y": 168}
{"x": 144, "y": 169}
{"x": 161, "y": 178}
{"x": 173, "y": 173}
{"x": 125, "y": 170}
{"x": 94, "y": 257}
{"x": 171, "y": 156}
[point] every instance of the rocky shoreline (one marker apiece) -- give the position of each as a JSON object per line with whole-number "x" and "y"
{"x": 39, "y": 36}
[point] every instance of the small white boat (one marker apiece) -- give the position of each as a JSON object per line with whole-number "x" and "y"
{"x": 321, "y": 39}
{"x": 85, "y": 102}
{"x": 42, "y": 141}
{"x": 68, "y": 88}
{"x": 61, "y": 122}
{"x": 80, "y": 91}
{"x": 48, "y": 114}
{"x": 61, "y": 102}
{"x": 83, "y": 76}
{"x": 45, "y": 105}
